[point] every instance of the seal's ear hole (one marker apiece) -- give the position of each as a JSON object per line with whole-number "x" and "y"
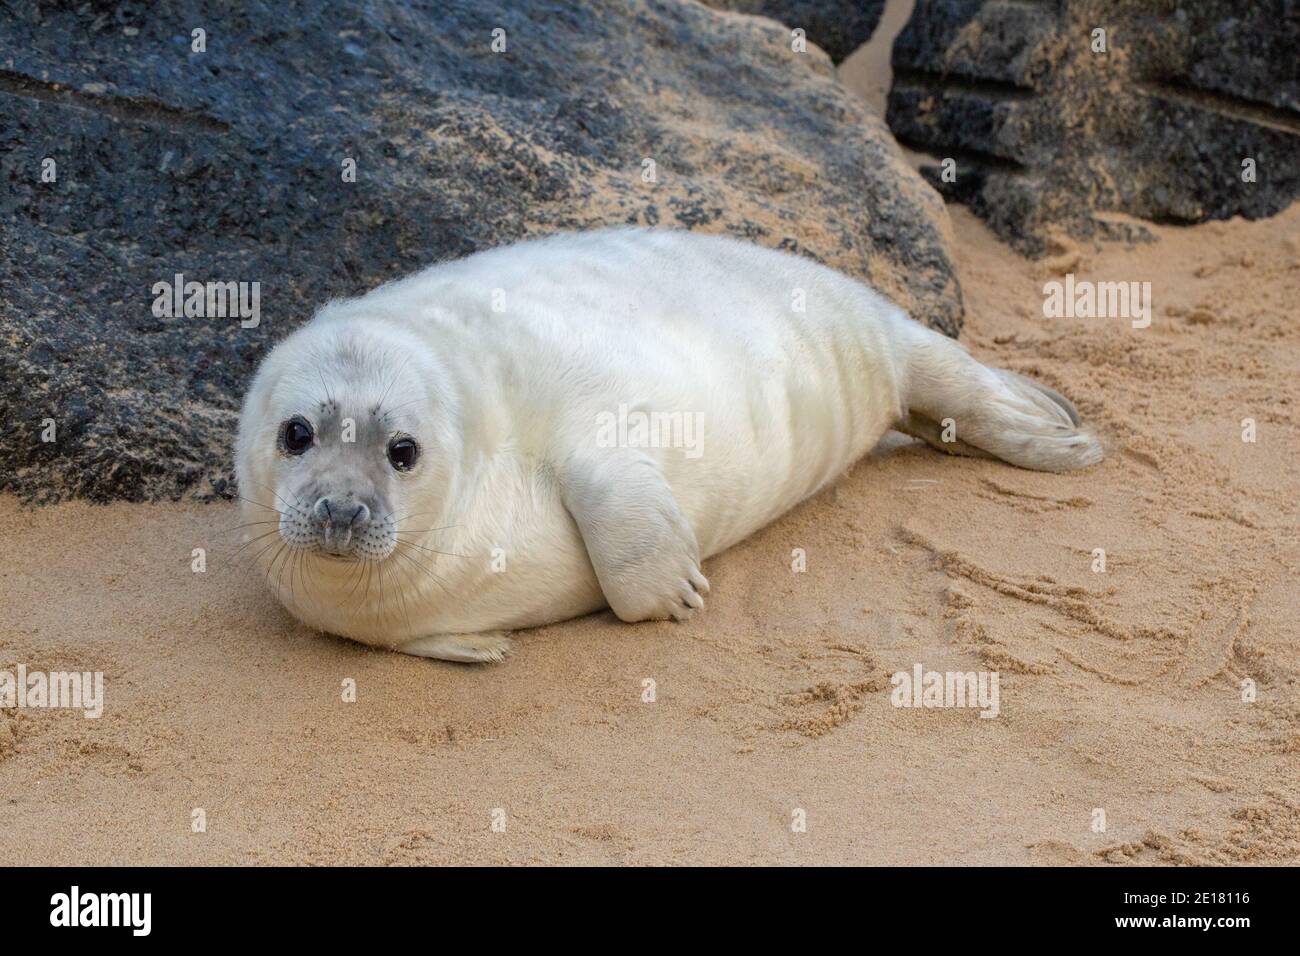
{"x": 296, "y": 435}
{"x": 402, "y": 453}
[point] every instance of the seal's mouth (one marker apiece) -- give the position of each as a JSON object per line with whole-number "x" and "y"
{"x": 345, "y": 557}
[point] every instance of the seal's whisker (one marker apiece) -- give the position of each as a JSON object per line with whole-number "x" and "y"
{"x": 403, "y": 405}
{"x": 396, "y": 375}
{"x": 383, "y": 593}
{"x": 279, "y": 580}
{"x": 301, "y": 511}
{"x": 253, "y": 561}
{"x": 261, "y": 537}
{"x": 401, "y": 594}
{"x": 297, "y": 572}
{"x": 259, "y": 504}
{"x": 369, "y": 574}
{"x": 427, "y": 570}
{"x": 328, "y": 394}
{"x": 397, "y": 519}
{"x": 272, "y": 564}
{"x": 304, "y": 556}
{"x": 295, "y": 558}
{"x": 425, "y": 530}
{"x": 356, "y": 581}
{"x": 299, "y": 557}
{"x": 363, "y": 578}
{"x": 274, "y": 521}
{"x": 450, "y": 554}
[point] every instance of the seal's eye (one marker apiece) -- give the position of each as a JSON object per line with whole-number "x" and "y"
{"x": 296, "y": 436}
{"x": 402, "y": 453}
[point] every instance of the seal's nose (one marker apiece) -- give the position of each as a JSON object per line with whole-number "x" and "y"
{"x": 338, "y": 518}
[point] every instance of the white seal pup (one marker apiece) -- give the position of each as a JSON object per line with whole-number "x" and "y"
{"x": 540, "y": 430}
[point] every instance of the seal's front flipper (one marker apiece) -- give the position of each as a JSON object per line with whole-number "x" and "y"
{"x": 489, "y": 647}
{"x": 639, "y": 542}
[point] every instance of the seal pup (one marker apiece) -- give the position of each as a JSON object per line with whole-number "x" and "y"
{"x": 540, "y": 430}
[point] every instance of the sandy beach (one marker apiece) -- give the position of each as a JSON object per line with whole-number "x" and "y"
{"x": 1120, "y": 691}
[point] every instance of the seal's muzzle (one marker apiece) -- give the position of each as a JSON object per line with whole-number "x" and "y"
{"x": 339, "y": 519}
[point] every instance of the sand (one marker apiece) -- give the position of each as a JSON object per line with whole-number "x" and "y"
{"x": 1120, "y": 691}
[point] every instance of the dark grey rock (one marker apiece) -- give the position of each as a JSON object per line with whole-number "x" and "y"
{"x": 1047, "y": 134}
{"x": 226, "y": 165}
{"x": 837, "y": 26}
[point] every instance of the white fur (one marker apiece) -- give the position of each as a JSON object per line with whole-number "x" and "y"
{"x": 506, "y": 406}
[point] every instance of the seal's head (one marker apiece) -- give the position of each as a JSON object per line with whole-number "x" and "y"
{"x": 346, "y": 431}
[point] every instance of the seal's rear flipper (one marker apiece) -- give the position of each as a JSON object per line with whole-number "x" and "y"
{"x": 955, "y": 403}
{"x": 918, "y": 426}
{"x": 489, "y": 647}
